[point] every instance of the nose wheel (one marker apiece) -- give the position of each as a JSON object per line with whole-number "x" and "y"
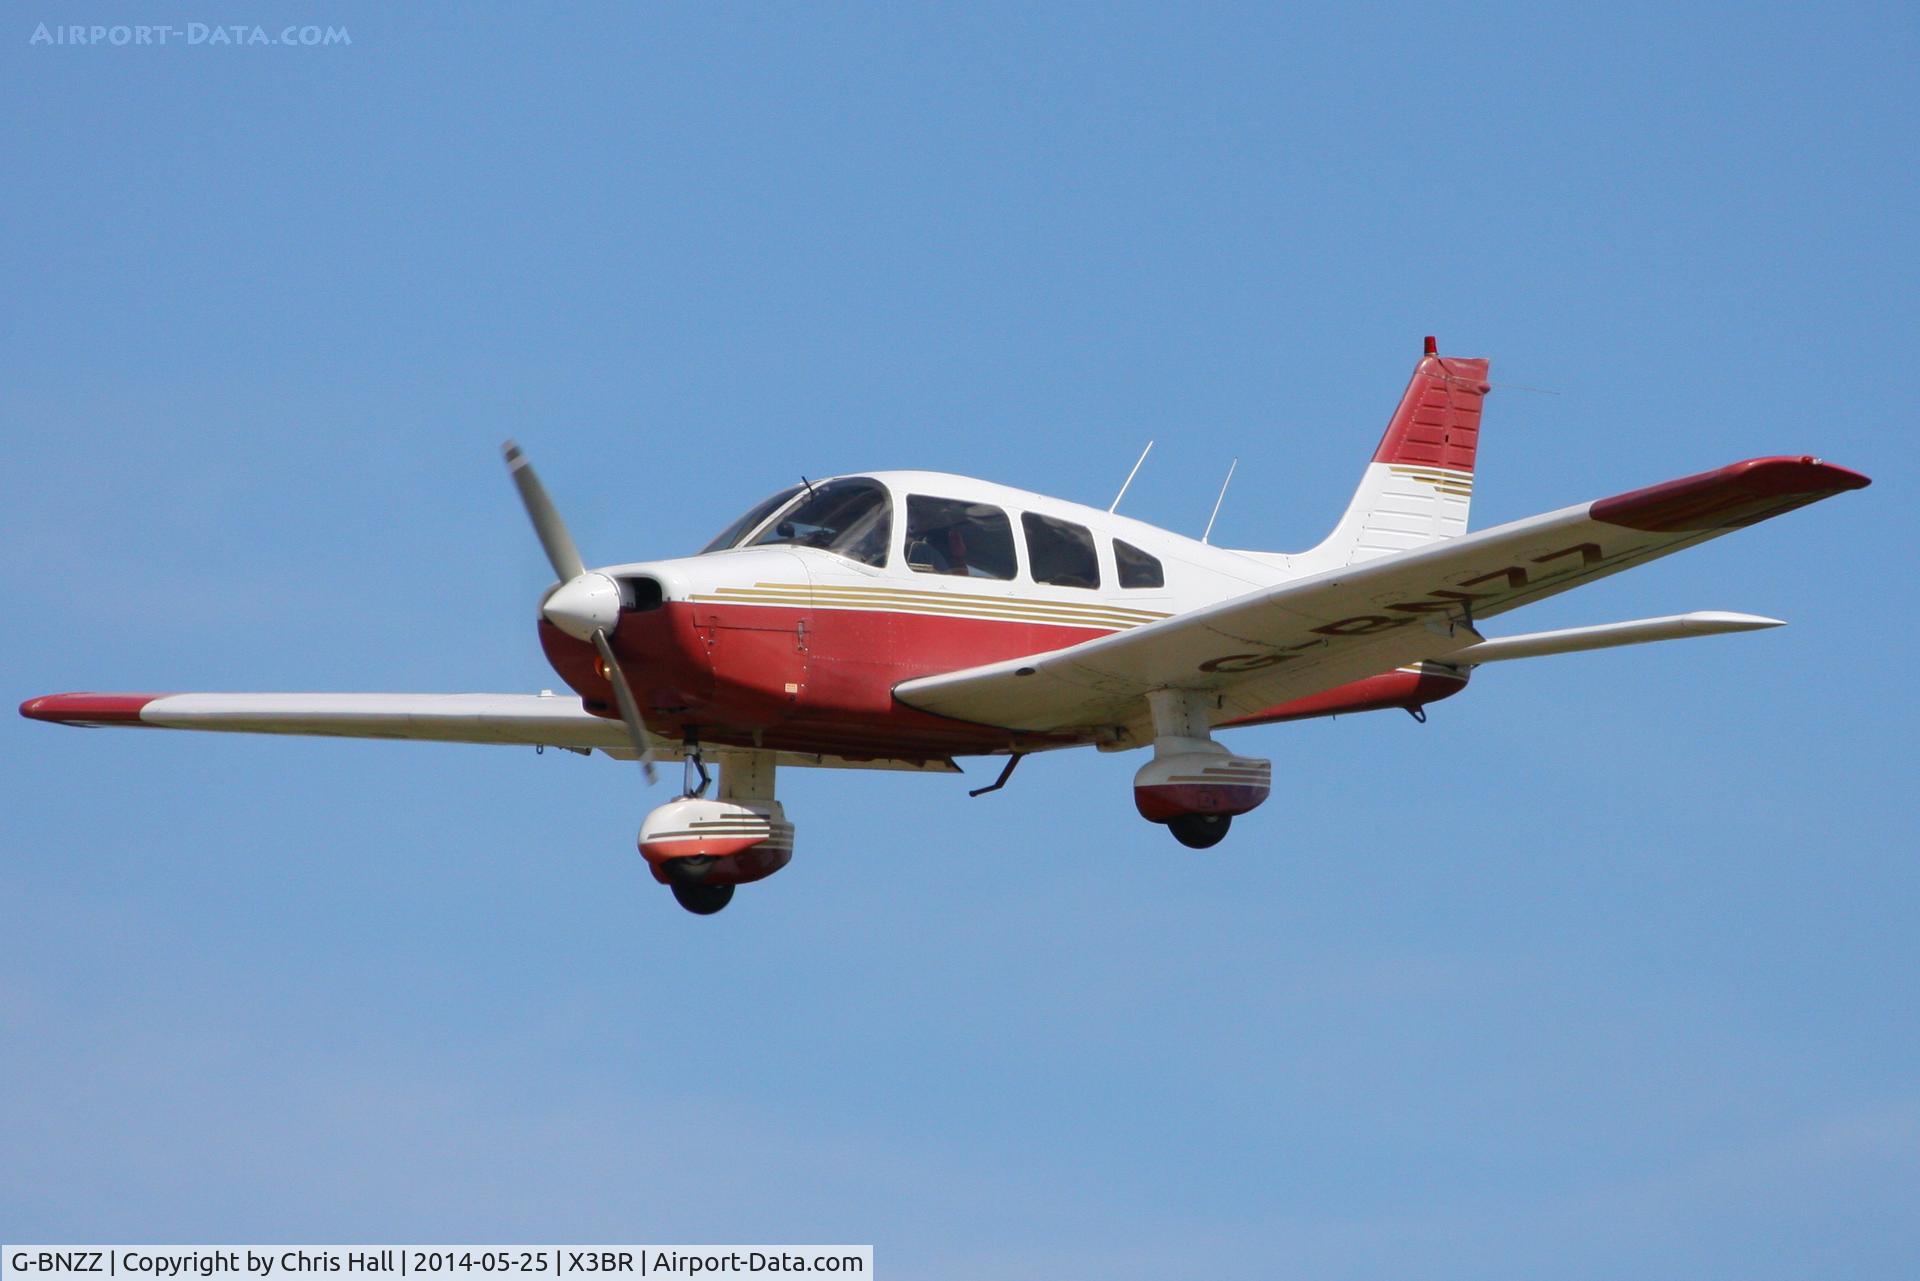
{"x": 1200, "y": 831}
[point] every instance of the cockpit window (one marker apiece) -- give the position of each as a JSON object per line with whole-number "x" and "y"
{"x": 731, "y": 536}
{"x": 1059, "y": 552}
{"x": 851, "y": 517}
{"x": 967, "y": 540}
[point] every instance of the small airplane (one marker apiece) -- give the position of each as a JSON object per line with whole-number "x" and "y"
{"x": 900, "y": 619}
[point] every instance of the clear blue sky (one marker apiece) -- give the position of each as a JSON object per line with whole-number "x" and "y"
{"x": 1610, "y": 970}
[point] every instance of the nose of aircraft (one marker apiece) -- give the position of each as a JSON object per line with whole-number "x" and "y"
{"x": 584, "y": 604}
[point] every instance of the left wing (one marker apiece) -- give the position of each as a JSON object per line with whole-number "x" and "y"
{"x": 1281, "y": 643}
{"x": 526, "y": 720}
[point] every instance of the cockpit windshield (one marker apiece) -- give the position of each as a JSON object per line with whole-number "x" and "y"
{"x": 851, "y": 517}
{"x": 732, "y": 534}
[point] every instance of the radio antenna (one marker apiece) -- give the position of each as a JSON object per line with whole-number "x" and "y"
{"x": 1130, "y": 475}
{"x": 1223, "y": 498}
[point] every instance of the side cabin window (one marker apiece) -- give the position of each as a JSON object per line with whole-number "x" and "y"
{"x": 851, "y": 517}
{"x": 966, "y": 540}
{"x": 1059, "y": 552}
{"x": 1137, "y": 569}
{"x": 732, "y": 534}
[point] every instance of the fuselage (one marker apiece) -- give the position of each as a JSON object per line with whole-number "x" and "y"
{"x": 793, "y": 630}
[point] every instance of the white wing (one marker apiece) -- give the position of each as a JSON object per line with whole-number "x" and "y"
{"x": 526, "y": 720}
{"x": 1277, "y": 644}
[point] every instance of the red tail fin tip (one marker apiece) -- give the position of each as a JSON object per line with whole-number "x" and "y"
{"x": 1438, "y": 421}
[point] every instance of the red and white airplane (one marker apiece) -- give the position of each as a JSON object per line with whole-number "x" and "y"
{"x": 900, "y": 619}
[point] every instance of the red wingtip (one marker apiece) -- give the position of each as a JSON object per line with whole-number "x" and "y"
{"x": 87, "y": 709}
{"x": 1742, "y": 493}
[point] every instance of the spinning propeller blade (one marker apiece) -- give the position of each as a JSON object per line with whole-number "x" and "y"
{"x": 552, "y": 531}
{"x": 623, "y": 695}
{"x": 584, "y": 604}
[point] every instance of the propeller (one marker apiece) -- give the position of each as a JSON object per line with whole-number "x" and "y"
{"x": 586, "y": 604}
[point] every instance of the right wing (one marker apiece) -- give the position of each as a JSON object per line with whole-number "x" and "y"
{"x": 1311, "y": 634}
{"x": 528, "y": 720}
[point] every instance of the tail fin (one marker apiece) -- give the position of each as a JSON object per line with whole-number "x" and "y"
{"x": 1417, "y": 488}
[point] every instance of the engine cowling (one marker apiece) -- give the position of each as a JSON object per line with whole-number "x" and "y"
{"x": 702, "y": 842}
{"x": 1202, "y": 780}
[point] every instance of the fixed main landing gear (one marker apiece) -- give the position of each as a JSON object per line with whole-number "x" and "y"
{"x": 702, "y": 848}
{"x": 1193, "y": 785}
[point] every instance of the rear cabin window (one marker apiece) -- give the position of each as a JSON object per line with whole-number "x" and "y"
{"x": 1137, "y": 569}
{"x": 1060, "y": 553}
{"x": 966, "y": 540}
{"x": 851, "y": 517}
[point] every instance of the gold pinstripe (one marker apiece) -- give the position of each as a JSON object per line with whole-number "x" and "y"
{"x": 1455, "y": 484}
{"x": 946, "y": 598}
{"x": 948, "y": 604}
{"x": 1421, "y": 469}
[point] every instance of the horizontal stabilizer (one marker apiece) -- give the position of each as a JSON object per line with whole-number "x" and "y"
{"x": 1574, "y": 640}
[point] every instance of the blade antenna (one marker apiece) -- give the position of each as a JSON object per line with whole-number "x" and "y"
{"x": 1223, "y": 498}
{"x": 1130, "y": 475}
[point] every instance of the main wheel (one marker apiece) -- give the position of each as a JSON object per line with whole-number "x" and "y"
{"x": 1200, "y": 831}
{"x": 702, "y": 900}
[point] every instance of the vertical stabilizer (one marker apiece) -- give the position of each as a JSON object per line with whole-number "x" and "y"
{"x": 1420, "y": 482}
